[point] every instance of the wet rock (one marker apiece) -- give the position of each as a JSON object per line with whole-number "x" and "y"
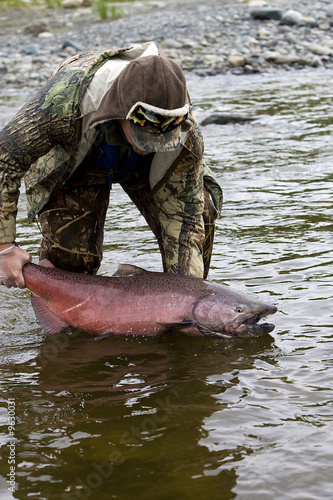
{"x": 263, "y": 32}
{"x": 45, "y": 34}
{"x": 225, "y": 119}
{"x": 266, "y": 13}
{"x": 308, "y": 21}
{"x": 189, "y": 44}
{"x": 280, "y": 58}
{"x": 329, "y": 10}
{"x": 32, "y": 49}
{"x": 291, "y": 17}
{"x": 236, "y": 60}
{"x": 35, "y": 29}
{"x": 320, "y": 50}
{"x": 69, "y": 50}
{"x": 315, "y": 62}
{"x": 75, "y": 46}
{"x": 75, "y": 4}
{"x": 23, "y": 68}
{"x": 291, "y": 38}
{"x": 171, "y": 43}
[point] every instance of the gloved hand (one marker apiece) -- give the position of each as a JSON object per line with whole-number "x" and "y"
{"x": 12, "y": 260}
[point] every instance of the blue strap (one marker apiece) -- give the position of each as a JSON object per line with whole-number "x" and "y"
{"x": 108, "y": 159}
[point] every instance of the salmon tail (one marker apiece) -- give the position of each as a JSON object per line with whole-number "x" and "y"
{"x": 48, "y": 320}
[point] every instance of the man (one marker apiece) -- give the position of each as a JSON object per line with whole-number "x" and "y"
{"x": 121, "y": 116}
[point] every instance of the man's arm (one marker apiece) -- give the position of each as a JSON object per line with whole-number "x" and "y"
{"x": 180, "y": 200}
{"x": 28, "y": 136}
{"x": 188, "y": 199}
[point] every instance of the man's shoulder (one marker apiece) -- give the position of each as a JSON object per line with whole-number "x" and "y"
{"x": 93, "y": 60}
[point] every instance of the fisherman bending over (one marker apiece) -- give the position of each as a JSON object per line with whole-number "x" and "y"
{"x": 123, "y": 116}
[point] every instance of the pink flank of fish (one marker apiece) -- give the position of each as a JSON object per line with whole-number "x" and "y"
{"x": 139, "y": 302}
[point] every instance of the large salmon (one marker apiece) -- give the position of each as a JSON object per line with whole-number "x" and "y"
{"x": 139, "y": 302}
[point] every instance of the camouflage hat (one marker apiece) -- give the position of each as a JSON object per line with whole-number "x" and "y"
{"x": 151, "y": 93}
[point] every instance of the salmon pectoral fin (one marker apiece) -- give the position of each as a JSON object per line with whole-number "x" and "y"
{"x": 178, "y": 325}
{"x": 48, "y": 320}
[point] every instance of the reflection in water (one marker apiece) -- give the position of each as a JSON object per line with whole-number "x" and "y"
{"x": 120, "y": 407}
{"x": 180, "y": 417}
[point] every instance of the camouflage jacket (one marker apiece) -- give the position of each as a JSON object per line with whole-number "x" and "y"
{"x": 49, "y": 137}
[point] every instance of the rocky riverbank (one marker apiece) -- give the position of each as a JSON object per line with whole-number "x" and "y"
{"x": 216, "y": 36}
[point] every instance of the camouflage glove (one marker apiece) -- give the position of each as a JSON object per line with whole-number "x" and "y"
{"x": 12, "y": 260}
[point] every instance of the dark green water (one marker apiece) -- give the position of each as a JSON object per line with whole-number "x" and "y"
{"x": 187, "y": 418}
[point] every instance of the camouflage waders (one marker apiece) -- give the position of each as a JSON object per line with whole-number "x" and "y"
{"x": 72, "y": 222}
{"x": 72, "y": 225}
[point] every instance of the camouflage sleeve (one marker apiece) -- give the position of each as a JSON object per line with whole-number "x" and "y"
{"x": 24, "y": 140}
{"x": 181, "y": 204}
{"x": 28, "y": 136}
{"x": 47, "y": 120}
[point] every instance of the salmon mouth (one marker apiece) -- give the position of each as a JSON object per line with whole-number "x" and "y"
{"x": 251, "y": 327}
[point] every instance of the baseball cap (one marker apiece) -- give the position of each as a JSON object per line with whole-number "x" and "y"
{"x": 151, "y": 93}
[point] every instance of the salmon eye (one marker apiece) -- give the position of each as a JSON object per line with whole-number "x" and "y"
{"x": 239, "y": 309}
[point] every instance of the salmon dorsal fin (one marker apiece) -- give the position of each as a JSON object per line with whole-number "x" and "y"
{"x": 46, "y": 263}
{"x": 128, "y": 270}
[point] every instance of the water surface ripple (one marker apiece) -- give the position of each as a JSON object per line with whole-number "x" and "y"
{"x": 188, "y": 418}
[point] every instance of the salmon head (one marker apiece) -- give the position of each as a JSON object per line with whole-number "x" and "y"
{"x": 228, "y": 313}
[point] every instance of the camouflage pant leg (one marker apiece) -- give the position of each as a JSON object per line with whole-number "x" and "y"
{"x": 209, "y": 216}
{"x": 72, "y": 225}
{"x": 140, "y": 194}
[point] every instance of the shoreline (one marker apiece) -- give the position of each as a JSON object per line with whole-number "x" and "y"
{"x": 215, "y": 38}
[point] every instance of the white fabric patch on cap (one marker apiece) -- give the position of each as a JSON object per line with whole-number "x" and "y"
{"x": 165, "y": 112}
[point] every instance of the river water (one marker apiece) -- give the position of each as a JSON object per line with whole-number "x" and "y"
{"x": 195, "y": 418}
